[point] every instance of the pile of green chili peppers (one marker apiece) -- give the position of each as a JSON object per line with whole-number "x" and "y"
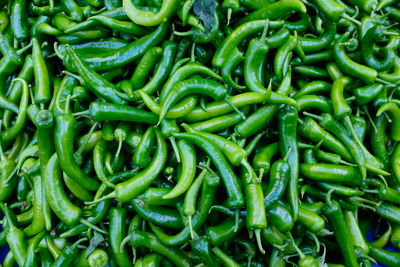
{"x": 200, "y": 133}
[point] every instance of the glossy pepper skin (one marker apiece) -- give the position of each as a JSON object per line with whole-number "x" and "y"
{"x": 64, "y": 129}
{"x": 42, "y": 80}
{"x": 366, "y": 74}
{"x": 289, "y": 149}
{"x": 335, "y": 215}
{"x": 118, "y": 231}
{"x": 100, "y": 111}
{"x": 58, "y": 200}
{"x": 279, "y": 178}
{"x": 121, "y": 56}
{"x": 207, "y": 197}
{"x": 18, "y": 20}
{"x": 129, "y": 189}
{"x": 235, "y": 195}
{"x": 95, "y": 82}
{"x": 15, "y": 237}
{"x": 145, "y": 239}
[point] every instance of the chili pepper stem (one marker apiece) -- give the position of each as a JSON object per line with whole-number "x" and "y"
{"x": 228, "y": 15}
{"x": 391, "y": 33}
{"x": 125, "y": 241}
{"x": 109, "y": 196}
{"x": 345, "y": 16}
{"x": 11, "y": 175}
{"x": 245, "y": 163}
{"x": 379, "y": 80}
{"x": 315, "y": 239}
{"x": 120, "y": 141}
{"x": 81, "y": 113}
{"x": 371, "y": 191}
{"x": 81, "y": 147}
{"x": 260, "y": 175}
{"x": 190, "y": 226}
{"x": 265, "y": 32}
{"x": 6, "y": 211}
{"x": 299, "y": 252}
{"x": 188, "y": 33}
{"x": 328, "y": 196}
{"x": 353, "y": 132}
{"x": 257, "y": 233}
{"x": 370, "y": 119}
{"x": 175, "y": 148}
{"x": 383, "y": 180}
{"x": 24, "y": 49}
{"x": 288, "y": 154}
{"x": 324, "y": 232}
{"x": 203, "y": 104}
{"x": 1, "y": 147}
{"x": 350, "y": 98}
{"x": 319, "y": 118}
{"x": 229, "y": 102}
{"x": 79, "y": 78}
{"x": 108, "y": 165}
{"x": 192, "y": 53}
{"x": 94, "y": 227}
{"x": 237, "y": 214}
{"x": 347, "y": 163}
{"x": 366, "y": 206}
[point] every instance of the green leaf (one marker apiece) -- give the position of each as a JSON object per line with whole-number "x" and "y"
{"x": 96, "y": 240}
{"x": 205, "y": 10}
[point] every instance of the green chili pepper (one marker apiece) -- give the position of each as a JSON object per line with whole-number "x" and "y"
{"x": 276, "y": 10}
{"x": 121, "y": 56}
{"x": 237, "y": 36}
{"x": 366, "y": 74}
{"x": 279, "y": 178}
{"x": 262, "y": 117}
{"x": 388, "y": 258}
{"x": 188, "y": 170}
{"x": 131, "y": 188}
{"x": 139, "y": 238}
{"x": 19, "y": 20}
{"x": 93, "y": 81}
{"x": 147, "y": 18}
{"x": 393, "y": 111}
{"x": 342, "y": 233}
{"x": 192, "y": 86}
{"x": 368, "y": 40}
{"x": 280, "y": 216}
{"x": 289, "y": 149}
{"x": 63, "y": 138}
{"x": 314, "y": 102}
{"x": 141, "y": 158}
{"x": 159, "y": 215}
{"x": 324, "y": 173}
{"x": 121, "y": 26}
{"x": 201, "y": 247}
{"x": 206, "y": 199}
{"x": 15, "y": 237}
{"x": 99, "y": 212}
{"x": 38, "y": 220}
{"x": 12, "y": 132}
{"x": 144, "y": 67}
{"x": 224, "y": 231}
{"x": 224, "y": 258}
{"x": 67, "y": 255}
{"x": 235, "y": 195}
{"x": 117, "y": 233}
{"x": 31, "y": 252}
